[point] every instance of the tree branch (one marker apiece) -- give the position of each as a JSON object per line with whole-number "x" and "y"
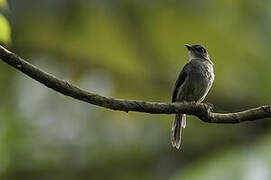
{"x": 201, "y": 110}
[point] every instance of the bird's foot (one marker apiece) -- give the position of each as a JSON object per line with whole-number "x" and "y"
{"x": 193, "y": 102}
{"x": 210, "y": 105}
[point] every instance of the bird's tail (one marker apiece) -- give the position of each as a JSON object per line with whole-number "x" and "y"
{"x": 176, "y": 131}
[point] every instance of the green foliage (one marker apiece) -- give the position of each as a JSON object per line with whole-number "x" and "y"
{"x": 4, "y": 30}
{"x": 131, "y": 49}
{"x": 250, "y": 161}
{"x": 3, "y": 4}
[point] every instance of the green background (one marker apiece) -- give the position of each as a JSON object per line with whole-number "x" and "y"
{"x": 132, "y": 49}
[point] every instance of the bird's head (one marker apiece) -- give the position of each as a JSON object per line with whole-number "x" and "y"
{"x": 197, "y": 51}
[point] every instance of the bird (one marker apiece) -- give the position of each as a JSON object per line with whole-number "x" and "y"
{"x": 192, "y": 85}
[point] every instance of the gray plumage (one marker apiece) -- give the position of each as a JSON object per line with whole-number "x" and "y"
{"x": 192, "y": 85}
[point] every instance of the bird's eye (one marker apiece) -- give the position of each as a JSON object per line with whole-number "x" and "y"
{"x": 201, "y": 50}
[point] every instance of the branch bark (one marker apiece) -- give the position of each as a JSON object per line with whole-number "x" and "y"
{"x": 201, "y": 110}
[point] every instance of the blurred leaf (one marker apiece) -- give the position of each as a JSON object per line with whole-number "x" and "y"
{"x": 3, "y": 4}
{"x": 133, "y": 50}
{"x": 4, "y": 30}
{"x": 251, "y": 161}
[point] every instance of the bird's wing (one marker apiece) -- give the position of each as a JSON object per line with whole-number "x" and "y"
{"x": 179, "y": 82}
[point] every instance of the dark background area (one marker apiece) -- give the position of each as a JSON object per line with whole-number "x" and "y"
{"x": 132, "y": 49}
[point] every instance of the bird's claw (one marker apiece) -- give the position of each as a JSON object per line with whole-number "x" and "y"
{"x": 211, "y": 106}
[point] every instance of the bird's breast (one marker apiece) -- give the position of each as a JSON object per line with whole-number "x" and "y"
{"x": 197, "y": 84}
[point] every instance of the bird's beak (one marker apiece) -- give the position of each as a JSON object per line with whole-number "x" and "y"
{"x": 188, "y": 46}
